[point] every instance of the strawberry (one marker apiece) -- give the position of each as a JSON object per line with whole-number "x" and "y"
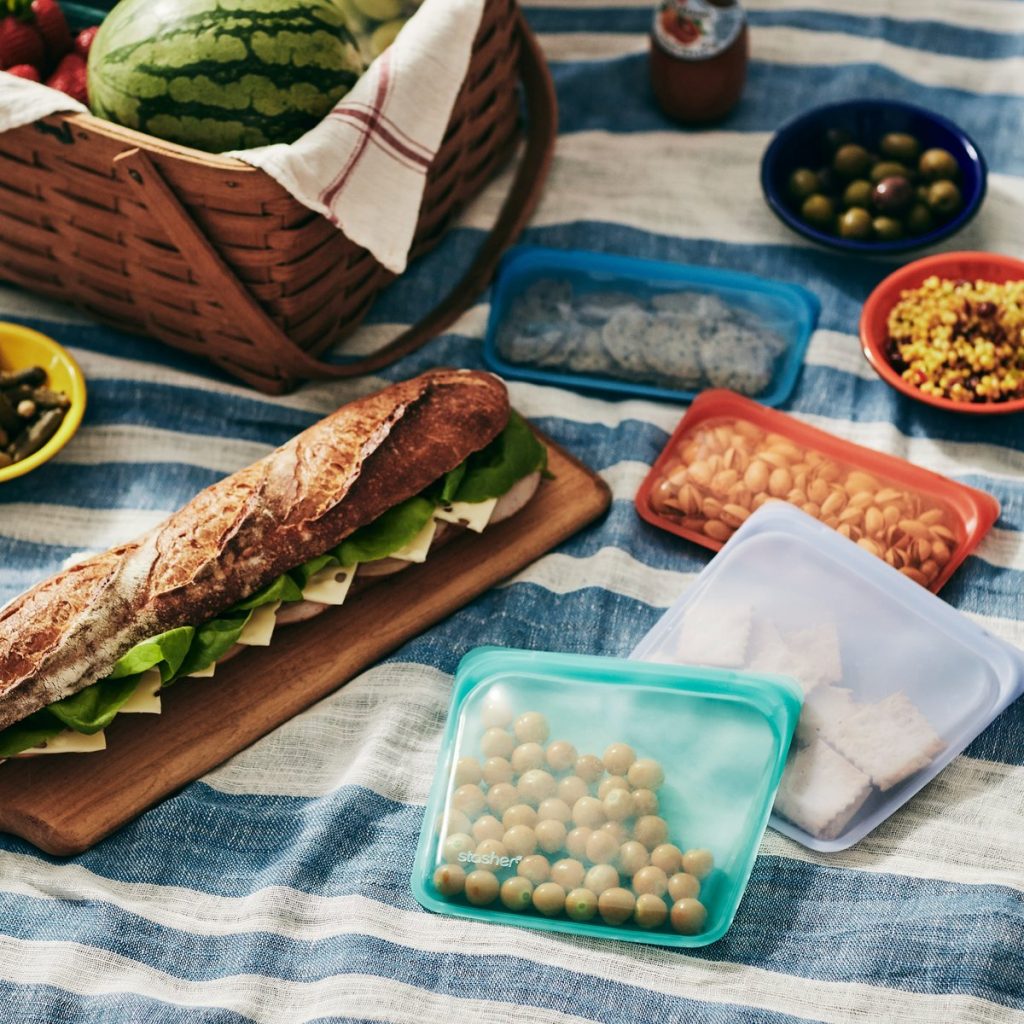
{"x": 83, "y": 41}
{"x": 53, "y": 27}
{"x": 25, "y": 71}
{"x": 20, "y": 43}
{"x": 70, "y": 77}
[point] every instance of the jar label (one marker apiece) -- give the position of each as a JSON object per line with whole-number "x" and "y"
{"x": 696, "y": 29}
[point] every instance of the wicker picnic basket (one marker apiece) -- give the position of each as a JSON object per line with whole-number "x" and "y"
{"x": 214, "y": 257}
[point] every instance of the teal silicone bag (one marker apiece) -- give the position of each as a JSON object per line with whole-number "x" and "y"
{"x": 721, "y": 738}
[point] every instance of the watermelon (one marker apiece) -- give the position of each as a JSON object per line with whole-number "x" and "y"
{"x": 222, "y": 74}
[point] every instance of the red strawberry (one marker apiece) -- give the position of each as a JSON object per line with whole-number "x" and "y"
{"x": 70, "y": 77}
{"x": 53, "y": 27}
{"x": 25, "y": 71}
{"x": 20, "y": 43}
{"x": 83, "y": 41}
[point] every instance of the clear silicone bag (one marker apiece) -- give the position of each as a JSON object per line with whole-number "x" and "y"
{"x": 896, "y": 682}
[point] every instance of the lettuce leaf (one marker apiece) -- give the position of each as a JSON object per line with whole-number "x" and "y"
{"x": 491, "y": 472}
{"x": 283, "y": 589}
{"x": 30, "y": 732}
{"x": 212, "y": 641}
{"x": 95, "y": 707}
{"x": 166, "y": 652}
{"x": 388, "y": 533}
{"x": 302, "y": 574}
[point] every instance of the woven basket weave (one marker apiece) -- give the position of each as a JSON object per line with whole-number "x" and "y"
{"x": 214, "y": 257}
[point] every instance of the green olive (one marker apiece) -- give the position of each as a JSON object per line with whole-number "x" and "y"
{"x": 835, "y": 138}
{"x": 819, "y": 211}
{"x": 855, "y": 223}
{"x": 384, "y": 35}
{"x": 900, "y": 146}
{"x": 887, "y": 229}
{"x": 803, "y": 182}
{"x": 851, "y": 160}
{"x": 888, "y": 169}
{"x": 920, "y": 220}
{"x": 936, "y": 164}
{"x": 858, "y": 193}
{"x": 944, "y": 198}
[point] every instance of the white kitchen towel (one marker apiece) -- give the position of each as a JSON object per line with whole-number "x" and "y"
{"x": 364, "y": 167}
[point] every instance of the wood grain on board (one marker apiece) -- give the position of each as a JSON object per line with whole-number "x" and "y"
{"x": 68, "y": 803}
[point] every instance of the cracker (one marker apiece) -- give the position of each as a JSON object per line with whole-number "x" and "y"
{"x": 823, "y": 711}
{"x": 820, "y": 790}
{"x": 819, "y": 658}
{"x": 714, "y": 633}
{"x": 889, "y": 741}
{"x": 810, "y": 656}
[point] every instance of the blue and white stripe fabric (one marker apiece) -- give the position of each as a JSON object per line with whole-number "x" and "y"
{"x": 277, "y": 888}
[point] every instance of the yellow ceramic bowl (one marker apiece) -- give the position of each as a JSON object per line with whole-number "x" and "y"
{"x": 20, "y": 348}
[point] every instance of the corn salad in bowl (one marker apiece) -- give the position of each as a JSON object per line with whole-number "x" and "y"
{"x": 949, "y": 331}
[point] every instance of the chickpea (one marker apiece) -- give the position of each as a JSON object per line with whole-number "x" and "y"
{"x": 536, "y": 868}
{"x": 517, "y": 892}
{"x": 698, "y": 863}
{"x": 520, "y": 840}
{"x": 519, "y": 814}
{"x": 688, "y": 916}
{"x": 560, "y": 756}
{"x": 616, "y": 905}
{"x": 467, "y": 771}
{"x": 469, "y": 799}
{"x": 449, "y": 879}
{"x": 496, "y": 743}
{"x": 526, "y": 757}
{"x": 601, "y": 877}
{"x": 576, "y": 841}
{"x": 487, "y": 827}
{"x": 589, "y": 768}
{"x": 581, "y": 905}
{"x": 568, "y": 873}
{"x": 551, "y": 835}
{"x": 589, "y": 811}
{"x": 571, "y": 788}
{"x": 618, "y": 757}
{"x": 651, "y": 830}
{"x": 531, "y": 728}
{"x": 495, "y": 770}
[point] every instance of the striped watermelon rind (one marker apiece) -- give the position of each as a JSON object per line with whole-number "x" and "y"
{"x": 222, "y": 74}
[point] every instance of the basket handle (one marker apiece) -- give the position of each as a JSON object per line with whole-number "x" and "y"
{"x": 242, "y": 310}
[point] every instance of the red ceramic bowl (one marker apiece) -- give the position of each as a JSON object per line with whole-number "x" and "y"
{"x": 970, "y": 265}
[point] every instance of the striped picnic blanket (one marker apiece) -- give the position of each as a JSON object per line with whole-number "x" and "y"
{"x": 277, "y": 888}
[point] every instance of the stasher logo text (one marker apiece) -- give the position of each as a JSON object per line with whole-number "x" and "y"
{"x": 468, "y": 857}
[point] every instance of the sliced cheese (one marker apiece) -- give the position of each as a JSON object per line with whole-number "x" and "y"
{"x": 260, "y": 627}
{"x": 474, "y": 515}
{"x": 204, "y": 673}
{"x": 330, "y": 585}
{"x": 416, "y": 550}
{"x": 146, "y": 698}
{"x": 69, "y": 742}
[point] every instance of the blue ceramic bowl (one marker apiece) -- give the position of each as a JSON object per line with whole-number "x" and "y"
{"x": 799, "y": 144}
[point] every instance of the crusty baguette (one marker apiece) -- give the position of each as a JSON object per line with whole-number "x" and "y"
{"x": 240, "y": 534}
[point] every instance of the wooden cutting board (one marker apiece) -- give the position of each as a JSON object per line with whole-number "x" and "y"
{"x": 66, "y": 804}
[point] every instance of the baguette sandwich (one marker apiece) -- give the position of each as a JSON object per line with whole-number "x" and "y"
{"x": 365, "y": 492}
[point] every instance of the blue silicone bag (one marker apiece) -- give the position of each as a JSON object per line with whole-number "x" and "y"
{"x": 721, "y": 738}
{"x": 629, "y": 327}
{"x": 896, "y": 682}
